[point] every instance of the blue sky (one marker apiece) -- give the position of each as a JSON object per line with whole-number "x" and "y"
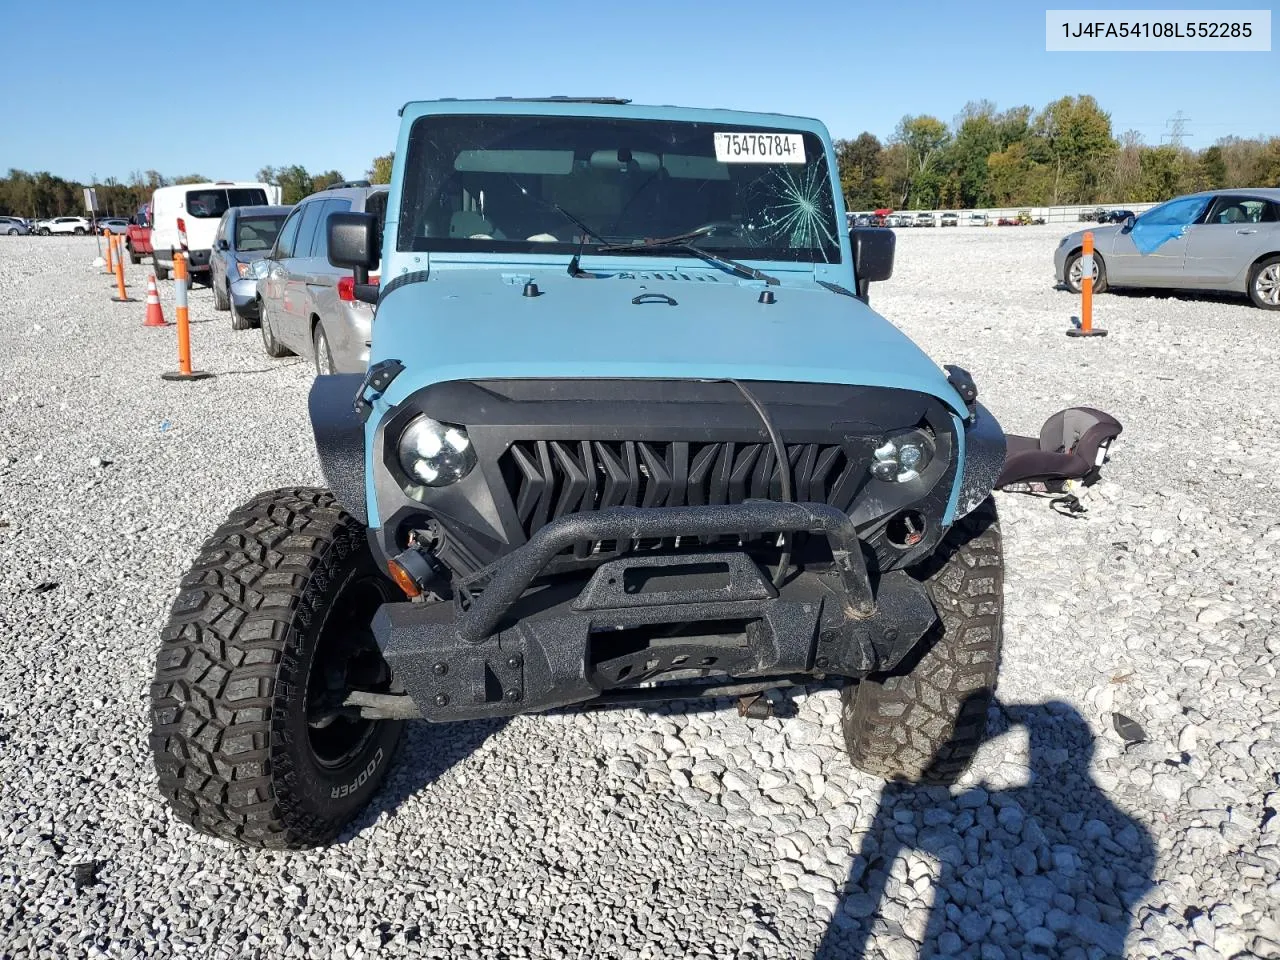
{"x": 226, "y": 88}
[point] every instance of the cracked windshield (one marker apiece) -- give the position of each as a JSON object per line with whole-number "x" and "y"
{"x": 515, "y": 184}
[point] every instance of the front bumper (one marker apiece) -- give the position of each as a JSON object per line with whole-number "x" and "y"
{"x": 501, "y": 648}
{"x": 1060, "y": 262}
{"x": 244, "y": 297}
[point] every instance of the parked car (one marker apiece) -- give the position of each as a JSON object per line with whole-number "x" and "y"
{"x": 305, "y": 304}
{"x": 185, "y": 217}
{"x": 924, "y": 220}
{"x": 544, "y": 491}
{"x": 245, "y": 234}
{"x": 13, "y": 226}
{"x": 950, "y": 220}
{"x": 116, "y": 225}
{"x": 1225, "y": 240}
{"x": 979, "y": 220}
{"x": 138, "y": 237}
{"x": 1115, "y": 216}
{"x": 64, "y": 225}
{"x": 1008, "y": 222}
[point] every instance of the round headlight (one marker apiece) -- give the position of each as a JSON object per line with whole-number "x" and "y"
{"x": 902, "y": 457}
{"x": 434, "y": 453}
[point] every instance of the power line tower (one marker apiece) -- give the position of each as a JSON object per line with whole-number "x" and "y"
{"x": 1177, "y": 125}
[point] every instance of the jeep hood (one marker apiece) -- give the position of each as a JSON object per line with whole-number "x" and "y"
{"x": 469, "y": 324}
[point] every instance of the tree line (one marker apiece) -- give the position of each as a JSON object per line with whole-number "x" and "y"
{"x": 42, "y": 194}
{"x": 1066, "y": 153}
{"x": 1063, "y": 154}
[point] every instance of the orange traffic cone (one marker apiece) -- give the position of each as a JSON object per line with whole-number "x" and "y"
{"x": 155, "y": 315}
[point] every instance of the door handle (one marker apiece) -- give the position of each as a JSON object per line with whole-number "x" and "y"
{"x": 1246, "y": 231}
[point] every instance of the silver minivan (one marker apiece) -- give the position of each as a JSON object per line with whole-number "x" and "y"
{"x": 304, "y": 305}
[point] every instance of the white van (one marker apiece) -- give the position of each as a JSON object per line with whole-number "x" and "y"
{"x": 185, "y": 217}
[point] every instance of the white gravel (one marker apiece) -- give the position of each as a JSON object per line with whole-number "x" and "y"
{"x": 670, "y": 834}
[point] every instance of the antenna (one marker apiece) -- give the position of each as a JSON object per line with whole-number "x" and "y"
{"x": 1177, "y": 125}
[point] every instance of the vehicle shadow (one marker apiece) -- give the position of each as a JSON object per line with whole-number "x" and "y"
{"x": 1049, "y": 869}
{"x": 427, "y": 751}
{"x": 1191, "y": 296}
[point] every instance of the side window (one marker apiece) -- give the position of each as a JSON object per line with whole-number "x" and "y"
{"x": 321, "y": 247}
{"x": 1229, "y": 210}
{"x": 307, "y": 232}
{"x": 288, "y": 235}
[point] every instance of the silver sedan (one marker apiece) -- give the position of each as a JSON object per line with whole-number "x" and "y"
{"x": 1225, "y": 240}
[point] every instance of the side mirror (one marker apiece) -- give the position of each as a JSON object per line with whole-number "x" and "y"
{"x": 873, "y": 251}
{"x": 354, "y": 243}
{"x": 223, "y": 245}
{"x": 1129, "y": 221}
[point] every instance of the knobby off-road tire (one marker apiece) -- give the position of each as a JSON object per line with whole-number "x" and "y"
{"x": 923, "y": 722}
{"x": 270, "y": 626}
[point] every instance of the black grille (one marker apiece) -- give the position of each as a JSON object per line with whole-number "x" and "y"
{"x": 551, "y": 479}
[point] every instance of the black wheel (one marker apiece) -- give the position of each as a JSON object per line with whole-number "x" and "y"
{"x": 44, "y": 231}
{"x": 161, "y": 272}
{"x": 324, "y": 357}
{"x": 273, "y": 346}
{"x": 270, "y": 630}
{"x": 79, "y": 231}
{"x": 922, "y": 722}
{"x": 1074, "y": 271}
{"x": 13, "y": 231}
{"x": 221, "y": 296}
{"x": 134, "y": 257}
{"x": 239, "y": 322}
{"x": 1264, "y": 283}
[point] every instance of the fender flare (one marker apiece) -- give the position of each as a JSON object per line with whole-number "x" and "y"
{"x": 339, "y": 436}
{"x": 984, "y": 452}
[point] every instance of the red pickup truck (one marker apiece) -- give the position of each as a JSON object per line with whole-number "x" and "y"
{"x": 138, "y": 237}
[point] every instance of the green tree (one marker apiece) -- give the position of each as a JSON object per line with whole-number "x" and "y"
{"x": 1214, "y": 167}
{"x": 190, "y": 178}
{"x": 859, "y": 163}
{"x": 326, "y": 179}
{"x": 1073, "y": 136}
{"x": 380, "y": 172}
{"x": 924, "y": 138}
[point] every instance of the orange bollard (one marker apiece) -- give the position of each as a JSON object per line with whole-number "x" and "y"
{"x": 180, "y": 279}
{"x": 155, "y": 315}
{"x": 110, "y": 263}
{"x": 1086, "y": 328}
{"x": 121, "y": 296}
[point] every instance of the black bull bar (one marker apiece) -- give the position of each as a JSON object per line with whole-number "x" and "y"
{"x": 496, "y": 651}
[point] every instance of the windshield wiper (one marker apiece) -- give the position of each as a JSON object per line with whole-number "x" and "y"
{"x": 685, "y": 243}
{"x": 587, "y": 233}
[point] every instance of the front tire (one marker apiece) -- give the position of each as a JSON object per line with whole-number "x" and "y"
{"x": 221, "y": 296}
{"x": 162, "y": 273}
{"x": 1264, "y": 283}
{"x": 79, "y": 231}
{"x": 923, "y": 722}
{"x": 134, "y": 257}
{"x": 1074, "y": 273}
{"x": 270, "y": 344}
{"x": 270, "y": 628}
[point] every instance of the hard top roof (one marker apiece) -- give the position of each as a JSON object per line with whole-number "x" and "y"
{"x": 604, "y": 107}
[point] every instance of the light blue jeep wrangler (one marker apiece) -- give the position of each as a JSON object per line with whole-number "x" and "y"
{"x": 630, "y": 432}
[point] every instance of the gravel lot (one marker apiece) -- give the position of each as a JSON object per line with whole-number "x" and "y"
{"x": 627, "y": 833}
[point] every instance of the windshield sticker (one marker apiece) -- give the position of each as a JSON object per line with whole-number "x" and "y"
{"x": 759, "y": 147}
